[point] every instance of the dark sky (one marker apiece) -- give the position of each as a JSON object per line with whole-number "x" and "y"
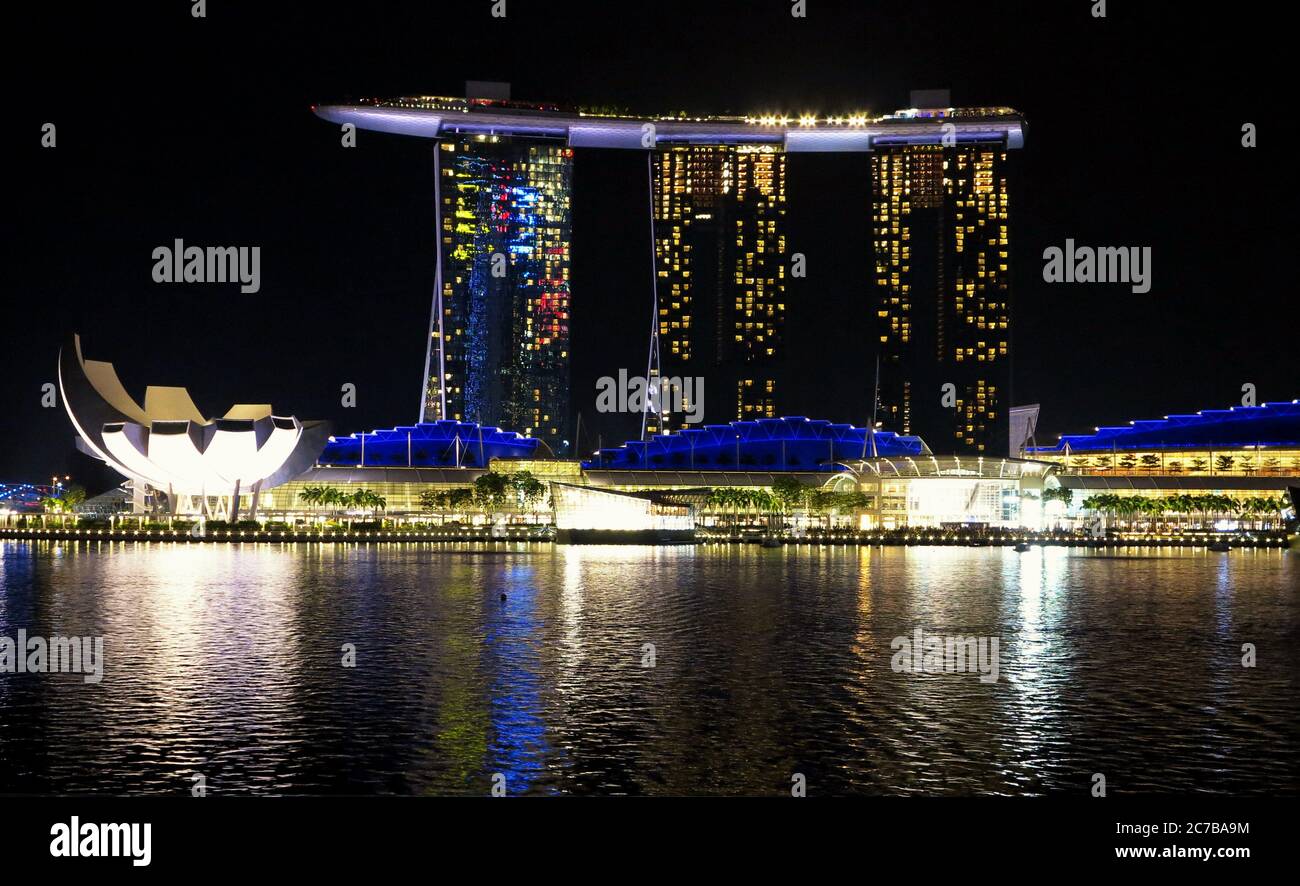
{"x": 169, "y": 126}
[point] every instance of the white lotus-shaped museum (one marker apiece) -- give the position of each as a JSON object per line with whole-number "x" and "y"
{"x": 168, "y": 445}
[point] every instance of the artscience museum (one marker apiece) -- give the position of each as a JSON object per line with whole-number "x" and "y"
{"x": 178, "y": 460}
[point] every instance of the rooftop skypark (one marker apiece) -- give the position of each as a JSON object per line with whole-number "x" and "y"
{"x": 438, "y": 116}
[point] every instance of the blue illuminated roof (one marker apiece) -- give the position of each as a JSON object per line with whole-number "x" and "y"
{"x": 1273, "y": 424}
{"x": 24, "y": 496}
{"x": 770, "y": 444}
{"x": 439, "y": 443}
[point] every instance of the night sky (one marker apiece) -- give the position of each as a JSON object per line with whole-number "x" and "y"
{"x": 170, "y": 126}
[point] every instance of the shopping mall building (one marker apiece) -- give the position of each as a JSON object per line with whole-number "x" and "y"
{"x": 254, "y": 463}
{"x": 1243, "y": 452}
{"x": 904, "y": 483}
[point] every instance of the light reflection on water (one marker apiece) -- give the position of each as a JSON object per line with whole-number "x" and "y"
{"x": 227, "y": 661}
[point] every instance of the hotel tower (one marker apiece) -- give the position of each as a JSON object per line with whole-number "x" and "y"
{"x": 941, "y": 243}
{"x": 720, "y": 253}
{"x": 936, "y": 310}
{"x": 498, "y": 349}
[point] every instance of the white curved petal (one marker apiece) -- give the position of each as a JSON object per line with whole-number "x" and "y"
{"x": 278, "y": 447}
{"x": 126, "y": 448}
{"x": 232, "y": 455}
{"x": 178, "y": 454}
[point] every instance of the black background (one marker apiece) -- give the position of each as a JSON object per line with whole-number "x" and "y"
{"x": 828, "y": 836}
{"x": 171, "y": 126}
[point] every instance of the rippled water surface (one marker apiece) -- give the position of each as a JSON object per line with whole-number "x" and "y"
{"x": 226, "y": 661}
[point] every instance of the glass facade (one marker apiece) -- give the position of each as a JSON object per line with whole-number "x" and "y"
{"x": 583, "y": 507}
{"x": 499, "y": 351}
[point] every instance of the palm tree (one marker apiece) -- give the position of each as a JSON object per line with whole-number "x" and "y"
{"x": 1058, "y": 493}
{"x": 1141, "y": 506}
{"x": 1127, "y": 506}
{"x": 726, "y": 497}
{"x": 334, "y": 498}
{"x": 1282, "y": 504}
{"x": 1265, "y": 511}
{"x": 359, "y": 499}
{"x": 1102, "y": 503}
{"x": 713, "y": 502}
{"x": 716, "y": 500}
{"x": 1254, "y": 508}
{"x": 1216, "y": 505}
{"x": 762, "y": 501}
{"x": 1176, "y": 505}
{"x": 312, "y": 495}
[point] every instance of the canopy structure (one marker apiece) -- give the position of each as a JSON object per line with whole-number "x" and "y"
{"x": 935, "y": 466}
{"x": 168, "y": 446}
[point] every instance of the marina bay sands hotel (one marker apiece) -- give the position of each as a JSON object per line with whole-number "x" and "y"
{"x": 935, "y": 307}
